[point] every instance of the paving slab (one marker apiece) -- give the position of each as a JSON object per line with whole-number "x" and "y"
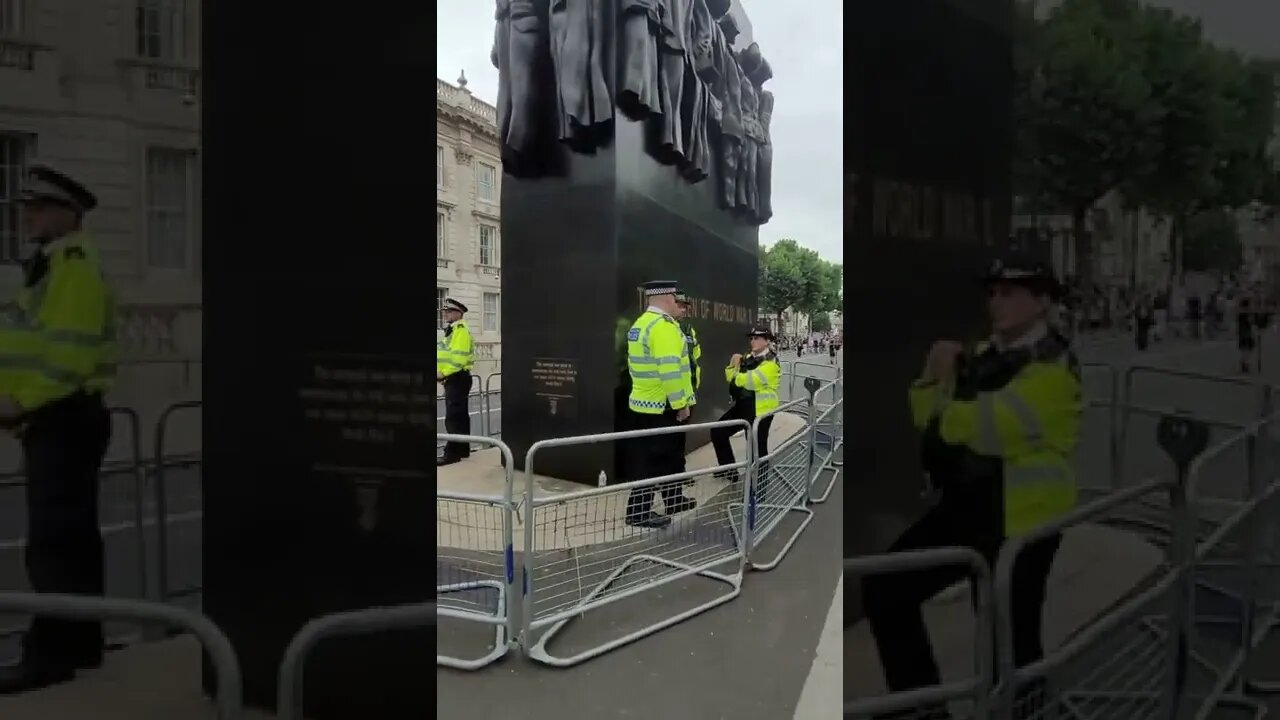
{"x": 155, "y": 681}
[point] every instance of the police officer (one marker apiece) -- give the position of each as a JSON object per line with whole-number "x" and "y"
{"x": 454, "y": 359}
{"x": 660, "y": 397}
{"x": 691, "y": 366}
{"x": 1000, "y": 426}
{"x": 58, "y": 348}
{"x": 684, "y": 307}
{"x": 753, "y": 386}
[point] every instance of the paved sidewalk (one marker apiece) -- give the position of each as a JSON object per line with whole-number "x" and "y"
{"x": 156, "y": 681}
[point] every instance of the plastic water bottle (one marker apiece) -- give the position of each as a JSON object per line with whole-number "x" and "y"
{"x": 603, "y": 480}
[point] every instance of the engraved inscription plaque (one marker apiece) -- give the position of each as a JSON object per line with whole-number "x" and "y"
{"x": 368, "y": 417}
{"x": 555, "y": 383}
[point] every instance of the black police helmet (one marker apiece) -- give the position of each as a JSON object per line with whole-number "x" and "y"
{"x": 1024, "y": 270}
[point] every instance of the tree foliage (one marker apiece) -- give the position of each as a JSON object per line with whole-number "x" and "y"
{"x": 1083, "y": 104}
{"x": 1213, "y": 242}
{"x": 1116, "y": 95}
{"x": 795, "y": 277}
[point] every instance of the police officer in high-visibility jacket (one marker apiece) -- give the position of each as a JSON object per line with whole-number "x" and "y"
{"x": 753, "y": 386}
{"x": 1000, "y": 425}
{"x": 454, "y": 360}
{"x": 660, "y": 397}
{"x": 58, "y": 353}
{"x": 692, "y": 357}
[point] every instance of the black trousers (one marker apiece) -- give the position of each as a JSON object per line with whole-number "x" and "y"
{"x": 63, "y": 445}
{"x": 720, "y": 436}
{"x": 655, "y": 456}
{"x": 457, "y": 413}
{"x": 892, "y": 601}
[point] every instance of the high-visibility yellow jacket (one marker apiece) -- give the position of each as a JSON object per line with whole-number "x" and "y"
{"x": 59, "y": 337}
{"x": 656, "y": 351}
{"x": 1030, "y": 425}
{"x": 756, "y": 380}
{"x": 455, "y": 351}
{"x": 693, "y": 358}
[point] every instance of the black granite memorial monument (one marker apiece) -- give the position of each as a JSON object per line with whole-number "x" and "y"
{"x": 635, "y": 146}
{"x": 318, "y": 488}
{"x": 928, "y": 145}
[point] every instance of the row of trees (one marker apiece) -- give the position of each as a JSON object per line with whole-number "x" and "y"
{"x": 794, "y": 277}
{"x": 1116, "y": 95}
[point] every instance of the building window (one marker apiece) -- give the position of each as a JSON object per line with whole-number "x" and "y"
{"x": 14, "y": 152}
{"x": 441, "y": 294}
{"x": 439, "y": 166}
{"x": 160, "y": 26}
{"x": 491, "y": 312}
{"x": 170, "y": 193}
{"x": 486, "y": 182}
{"x": 11, "y": 18}
{"x": 488, "y": 245}
{"x": 442, "y": 251}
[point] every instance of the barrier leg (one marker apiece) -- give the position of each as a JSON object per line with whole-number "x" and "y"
{"x": 538, "y": 650}
{"x": 796, "y": 507}
{"x": 500, "y": 641}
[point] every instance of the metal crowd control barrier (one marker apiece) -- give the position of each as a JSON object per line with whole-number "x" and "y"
{"x": 229, "y": 695}
{"x": 135, "y": 465}
{"x": 795, "y": 371}
{"x": 1135, "y": 370}
{"x": 162, "y": 463}
{"x": 780, "y": 483}
{"x": 1223, "y": 628}
{"x": 579, "y": 554}
{"x": 828, "y": 431}
{"x": 486, "y": 405}
{"x": 976, "y": 689}
{"x": 1110, "y": 401}
{"x": 1127, "y": 656}
{"x": 475, "y": 559}
{"x": 291, "y": 690}
{"x": 1152, "y": 518}
{"x": 477, "y": 385}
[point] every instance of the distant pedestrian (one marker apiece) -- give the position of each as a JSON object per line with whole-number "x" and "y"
{"x": 1246, "y": 341}
{"x": 1143, "y": 320}
{"x": 1160, "y": 304}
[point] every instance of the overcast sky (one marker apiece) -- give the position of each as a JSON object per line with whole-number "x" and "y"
{"x": 805, "y": 49}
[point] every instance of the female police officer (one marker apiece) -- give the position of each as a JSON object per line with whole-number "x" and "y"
{"x": 1000, "y": 426}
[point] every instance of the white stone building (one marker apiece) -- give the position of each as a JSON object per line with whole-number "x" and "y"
{"x": 468, "y": 227}
{"x": 109, "y": 91}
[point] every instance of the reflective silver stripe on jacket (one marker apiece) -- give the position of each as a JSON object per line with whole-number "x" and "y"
{"x": 989, "y": 442}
